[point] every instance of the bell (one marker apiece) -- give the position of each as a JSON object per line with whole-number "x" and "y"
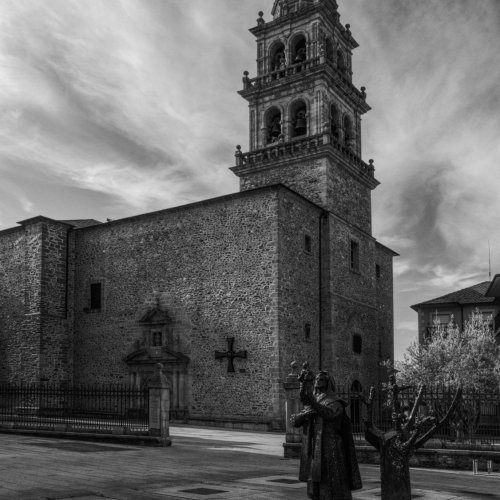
{"x": 275, "y": 130}
{"x": 300, "y": 123}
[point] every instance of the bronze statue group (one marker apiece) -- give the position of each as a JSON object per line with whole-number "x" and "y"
{"x": 328, "y": 460}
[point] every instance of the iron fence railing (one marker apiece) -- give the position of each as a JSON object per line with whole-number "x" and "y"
{"x": 94, "y": 408}
{"x": 476, "y": 421}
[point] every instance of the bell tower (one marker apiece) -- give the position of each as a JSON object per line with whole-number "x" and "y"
{"x": 305, "y": 112}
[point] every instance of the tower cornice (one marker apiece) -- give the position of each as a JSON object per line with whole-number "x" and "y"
{"x": 325, "y": 10}
{"x": 309, "y": 71}
{"x": 295, "y": 151}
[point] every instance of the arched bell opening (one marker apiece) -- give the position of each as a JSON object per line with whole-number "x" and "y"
{"x": 277, "y": 58}
{"x": 299, "y": 52}
{"x": 341, "y": 62}
{"x": 355, "y": 406}
{"x": 335, "y": 122}
{"x": 298, "y": 115}
{"x": 273, "y": 125}
{"x": 348, "y": 131}
{"x": 329, "y": 51}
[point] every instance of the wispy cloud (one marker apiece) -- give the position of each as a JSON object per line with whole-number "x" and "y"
{"x": 114, "y": 108}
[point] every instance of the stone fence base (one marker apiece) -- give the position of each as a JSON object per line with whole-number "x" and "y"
{"x": 425, "y": 457}
{"x": 438, "y": 459}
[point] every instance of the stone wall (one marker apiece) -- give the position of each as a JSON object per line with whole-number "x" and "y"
{"x": 306, "y": 177}
{"x": 385, "y": 301}
{"x": 299, "y": 285}
{"x": 326, "y": 181}
{"x": 347, "y": 196}
{"x": 56, "y": 347}
{"x": 213, "y": 266}
{"x": 438, "y": 458}
{"x": 18, "y": 359}
{"x": 354, "y": 306}
{"x": 34, "y": 326}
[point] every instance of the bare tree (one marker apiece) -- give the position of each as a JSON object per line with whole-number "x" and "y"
{"x": 409, "y": 432}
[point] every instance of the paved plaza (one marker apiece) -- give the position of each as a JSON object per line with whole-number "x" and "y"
{"x": 202, "y": 463}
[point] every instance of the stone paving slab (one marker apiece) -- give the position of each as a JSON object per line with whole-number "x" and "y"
{"x": 203, "y": 463}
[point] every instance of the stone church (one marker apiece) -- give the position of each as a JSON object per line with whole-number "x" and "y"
{"x": 226, "y": 292}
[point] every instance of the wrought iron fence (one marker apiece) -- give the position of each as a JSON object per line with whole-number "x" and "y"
{"x": 91, "y": 408}
{"x": 476, "y": 421}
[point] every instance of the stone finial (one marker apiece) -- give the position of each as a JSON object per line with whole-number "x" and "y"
{"x": 371, "y": 167}
{"x": 158, "y": 379}
{"x": 260, "y": 20}
{"x": 348, "y": 30}
{"x": 246, "y": 80}
{"x": 363, "y": 92}
{"x": 239, "y": 155}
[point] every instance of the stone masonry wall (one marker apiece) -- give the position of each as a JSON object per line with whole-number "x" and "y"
{"x": 307, "y": 178}
{"x": 299, "y": 285}
{"x": 33, "y": 324}
{"x": 354, "y": 306}
{"x": 56, "y": 327}
{"x": 385, "y": 303}
{"x": 324, "y": 181}
{"x": 348, "y": 197}
{"x": 18, "y": 359}
{"x": 217, "y": 260}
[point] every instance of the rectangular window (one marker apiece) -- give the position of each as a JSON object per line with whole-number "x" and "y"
{"x": 95, "y": 296}
{"x": 307, "y": 331}
{"x": 441, "y": 319}
{"x": 157, "y": 339}
{"x": 354, "y": 255}
{"x": 377, "y": 270}
{"x": 487, "y": 318}
{"x": 307, "y": 243}
{"x": 357, "y": 343}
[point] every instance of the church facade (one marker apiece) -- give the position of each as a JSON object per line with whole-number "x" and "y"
{"x": 226, "y": 292}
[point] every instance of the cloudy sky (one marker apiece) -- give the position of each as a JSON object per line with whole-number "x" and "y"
{"x": 111, "y": 108}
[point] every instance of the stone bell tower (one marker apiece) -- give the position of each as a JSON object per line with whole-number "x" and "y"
{"x": 305, "y": 112}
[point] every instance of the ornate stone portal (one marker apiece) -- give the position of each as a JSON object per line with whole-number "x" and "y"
{"x": 158, "y": 345}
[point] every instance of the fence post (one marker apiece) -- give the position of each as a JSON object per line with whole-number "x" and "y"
{"x": 159, "y": 406}
{"x": 489, "y": 466}
{"x": 475, "y": 466}
{"x": 293, "y": 439}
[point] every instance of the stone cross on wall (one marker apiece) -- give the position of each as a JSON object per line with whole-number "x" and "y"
{"x": 230, "y": 354}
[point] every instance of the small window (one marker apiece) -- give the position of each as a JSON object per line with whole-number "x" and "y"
{"x": 95, "y": 296}
{"x": 307, "y": 331}
{"x": 357, "y": 344}
{"x": 487, "y": 318}
{"x": 354, "y": 255}
{"x": 377, "y": 270}
{"x": 157, "y": 339}
{"x": 307, "y": 243}
{"x": 441, "y": 319}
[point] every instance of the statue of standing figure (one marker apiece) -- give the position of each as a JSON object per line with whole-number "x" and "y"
{"x": 328, "y": 460}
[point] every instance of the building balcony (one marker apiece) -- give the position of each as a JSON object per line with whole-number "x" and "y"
{"x": 341, "y": 79}
{"x": 302, "y": 147}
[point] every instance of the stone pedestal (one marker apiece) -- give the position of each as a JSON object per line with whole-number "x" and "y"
{"x": 293, "y": 439}
{"x": 159, "y": 406}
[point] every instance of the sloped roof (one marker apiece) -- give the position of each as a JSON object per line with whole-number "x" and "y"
{"x": 471, "y": 295}
{"x": 81, "y": 222}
